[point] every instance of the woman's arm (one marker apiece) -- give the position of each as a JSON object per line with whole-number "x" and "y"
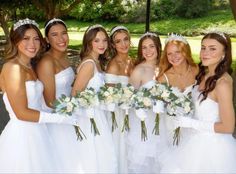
{"x": 46, "y": 74}
{"x": 136, "y": 77}
{"x": 84, "y": 74}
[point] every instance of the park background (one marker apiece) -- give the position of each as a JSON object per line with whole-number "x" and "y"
{"x": 190, "y": 18}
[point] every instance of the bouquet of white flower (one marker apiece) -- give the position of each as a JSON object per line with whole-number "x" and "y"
{"x": 159, "y": 95}
{"x": 142, "y": 101}
{"x": 110, "y": 96}
{"x": 180, "y": 104}
{"x": 88, "y": 100}
{"x": 125, "y": 103}
{"x": 66, "y": 105}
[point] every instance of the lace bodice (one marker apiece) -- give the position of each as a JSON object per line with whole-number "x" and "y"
{"x": 34, "y": 91}
{"x": 114, "y": 79}
{"x": 207, "y": 110}
{"x": 64, "y": 80}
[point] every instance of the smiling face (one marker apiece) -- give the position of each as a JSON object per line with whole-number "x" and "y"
{"x": 99, "y": 44}
{"x": 58, "y": 37}
{"x": 29, "y": 45}
{"x": 149, "y": 50}
{"x": 212, "y": 52}
{"x": 121, "y": 42}
{"x": 174, "y": 55}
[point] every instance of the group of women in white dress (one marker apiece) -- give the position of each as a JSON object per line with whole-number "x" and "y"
{"x": 37, "y": 72}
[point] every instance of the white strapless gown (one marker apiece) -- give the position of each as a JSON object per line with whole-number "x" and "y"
{"x": 143, "y": 155}
{"x": 27, "y": 147}
{"x": 97, "y": 152}
{"x": 119, "y": 137}
{"x": 64, "y": 135}
{"x": 203, "y": 152}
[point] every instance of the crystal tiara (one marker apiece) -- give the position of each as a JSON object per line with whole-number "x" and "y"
{"x": 148, "y": 34}
{"x": 219, "y": 33}
{"x": 118, "y": 28}
{"x": 53, "y": 20}
{"x": 94, "y": 26}
{"x": 178, "y": 37}
{"x": 24, "y": 22}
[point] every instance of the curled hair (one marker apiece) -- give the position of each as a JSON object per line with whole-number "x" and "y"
{"x": 221, "y": 68}
{"x": 16, "y": 36}
{"x": 157, "y": 42}
{"x": 184, "y": 49}
{"x": 87, "y": 48}
{"x": 112, "y": 39}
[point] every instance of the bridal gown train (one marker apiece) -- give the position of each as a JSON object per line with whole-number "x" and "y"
{"x": 27, "y": 147}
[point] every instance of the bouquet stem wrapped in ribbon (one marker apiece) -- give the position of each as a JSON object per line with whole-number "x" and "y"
{"x": 90, "y": 113}
{"x": 125, "y": 126}
{"x": 158, "y": 108}
{"x": 142, "y": 114}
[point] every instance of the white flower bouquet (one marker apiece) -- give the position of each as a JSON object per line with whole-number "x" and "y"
{"x": 142, "y": 101}
{"x": 159, "y": 94}
{"x": 125, "y": 103}
{"x": 66, "y": 105}
{"x": 180, "y": 104}
{"x": 110, "y": 96}
{"x": 88, "y": 100}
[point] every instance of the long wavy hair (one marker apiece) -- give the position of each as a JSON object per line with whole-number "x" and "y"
{"x": 16, "y": 36}
{"x": 185, "y": 50}
{"x": 87, "y": 48}
{"x": 221, "y": 68}
{"x": 157, "y": 42}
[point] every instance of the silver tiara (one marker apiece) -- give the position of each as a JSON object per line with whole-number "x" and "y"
{"x": 219, "y": 33}
{"x": 118, "y": 28}
{"x": 24, "y": 22}
{"x": 54, "y": 20}
{"x": 94, "y": 26}
{"x": 148, "y": 34}
{"x": 177, "y": 37}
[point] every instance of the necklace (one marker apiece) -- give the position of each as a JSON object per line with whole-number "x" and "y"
{"x": 23, "y": 64}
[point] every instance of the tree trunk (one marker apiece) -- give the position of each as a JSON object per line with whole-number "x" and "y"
{"x": 233, "y": 7}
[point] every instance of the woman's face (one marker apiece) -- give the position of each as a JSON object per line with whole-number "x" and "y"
{"x": 58, "y": 38}
{"x": 149, "y": 50}
{"x": 212, "y": 52}
{"x": 30, "y": 44}
{"x": 121, "y": 42}
{"x": 174, "y": 55}
{"x": 99, "y": 43}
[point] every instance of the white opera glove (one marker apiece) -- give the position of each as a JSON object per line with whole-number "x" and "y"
{"x": 57, "y": 118}
{"x": 187, "y": 122}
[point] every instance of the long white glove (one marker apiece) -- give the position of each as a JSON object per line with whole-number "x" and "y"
{"x": 187, "y": 122}
{"x": 57, "y": 118}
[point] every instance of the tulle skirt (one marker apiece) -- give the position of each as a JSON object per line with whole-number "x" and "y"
{"x": 119, "y": 139}
{"x": 202, "y": 153}
{"x": 97, "y": 153}
{"x": 143, "y": 155}
{"x": 26, "y": 147}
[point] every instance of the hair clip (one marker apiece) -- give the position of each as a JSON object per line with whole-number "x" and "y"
{"x": 118, "y": 28}
{"x": 178, "y": 37}
{"x": 53, "y": 20}
{"x": 24, "y": 22}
